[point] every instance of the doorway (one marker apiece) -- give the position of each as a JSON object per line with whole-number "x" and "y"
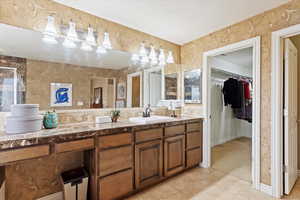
{"x": 134, "y": 90}
{"x": 253, "y": 43}
{"x": 284, "y": 169}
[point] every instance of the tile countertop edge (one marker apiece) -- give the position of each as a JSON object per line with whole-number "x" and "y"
{"x": 74, "y": 132}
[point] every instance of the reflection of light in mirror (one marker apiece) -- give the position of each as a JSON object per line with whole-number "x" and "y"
{"x": 161, "y": 58}
{"x": 90, "y": 38}
{"x": 101, "y": 50}
{"x": 143, "y": 52}
{"x": 86, "y": 47}
{"x": 72, "y": 34}
{"x": 106, "y": 41}
{"x": 153, "y": 56}
{"x": 50, "y": 32}
{"x": 144, "y": 60}
{"x": 69, "y": 43}
{"x": 49, "y": 39}
{"x": 170, "y": 58}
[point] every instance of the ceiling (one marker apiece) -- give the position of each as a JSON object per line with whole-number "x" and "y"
{"x": 176, "y": 21}
{"x": 241, "y": 57}
{"x": 28, "y": 44}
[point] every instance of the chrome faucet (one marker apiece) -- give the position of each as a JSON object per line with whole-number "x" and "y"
{"x": 147, "y": 111}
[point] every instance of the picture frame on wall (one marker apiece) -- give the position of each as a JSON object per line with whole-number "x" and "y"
{"x": 121, "y": 90}
{"x": 60, "y": 94}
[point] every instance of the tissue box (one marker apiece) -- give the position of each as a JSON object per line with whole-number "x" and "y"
{"x": 102, "y": 119}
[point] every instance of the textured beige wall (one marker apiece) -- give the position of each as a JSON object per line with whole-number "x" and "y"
{"x": 40, "y": 74}
{"x": 261, "y": 25}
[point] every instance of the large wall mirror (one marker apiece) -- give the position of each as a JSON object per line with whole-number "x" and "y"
{"x": 192, "y": 81}
{"x": 57, "y": 77}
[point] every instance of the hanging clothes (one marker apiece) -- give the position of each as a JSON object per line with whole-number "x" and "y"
{"x": 232, "y": 93}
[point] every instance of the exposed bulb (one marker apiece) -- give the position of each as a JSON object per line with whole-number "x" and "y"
{"x": 101, "y": 50}
{"x": 106, "y": 41}
{"x": 143, "y": 52}
{"x": 170, "y": 58}
{"x": 135, "y": 57}
{"x": 72, "y": 34}
{"x": 161, "y": 56}
{"x": 50, "y": 32}
{"x": 90, "y": 38}
{"x": 86, "y": 47}
{"x": 69, "y": 43}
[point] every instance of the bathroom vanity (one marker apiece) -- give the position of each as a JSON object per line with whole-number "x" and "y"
{"x": 121, "y": 157}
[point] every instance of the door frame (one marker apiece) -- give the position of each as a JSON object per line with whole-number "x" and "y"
{"x": 277, "y": 107}
{"x": 129, "y": 88}
{"x": 255, "y": 44}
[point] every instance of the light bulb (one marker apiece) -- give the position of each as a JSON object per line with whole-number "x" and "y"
{"x": 101, "y": 50}
{"x": 50, "y": 32}
{"x": 142, "y": 52}
{"x": 90, "y": 38}
{"x": 154, "y": 62}
{"x": 170, "y": 58}
{"x": 86, "y": 47}
{"x": 144, "y": 60}
{"x": 152, "y": 54}
{"x": 72, "y": 34}
{"x": 106, "y": 41}
{"x": 161, "y": 56}
{"x": 69, "y": 43}
{"x": 135, "y": 57}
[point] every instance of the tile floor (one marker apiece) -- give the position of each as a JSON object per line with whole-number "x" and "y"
{"x": 216, "y": 183}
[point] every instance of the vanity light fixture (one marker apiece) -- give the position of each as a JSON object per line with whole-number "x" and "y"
{"x": 142, "y": 52}
{"x": 106, "y": 41}
{"x": 135, "y": 58}
{"x": 71, "y": 37}
{"x": 153, "y": 56}
{"x": 50, "y": 33}
{"x": 170, "y": 58}
{"x": 89, "y": 41}
{"x": 161, "y": 58}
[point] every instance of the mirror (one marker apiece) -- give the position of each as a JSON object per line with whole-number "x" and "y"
{"x": 57, "y": 77}
{"x": 171, "y": 86}
{"x": 192, "y": 86}
{"x": 153, "y": 82}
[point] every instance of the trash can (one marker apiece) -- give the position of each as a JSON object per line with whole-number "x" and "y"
{"x": 75, "y": 183}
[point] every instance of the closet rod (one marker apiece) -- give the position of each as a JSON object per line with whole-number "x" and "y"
{"x": 231, "y": 74}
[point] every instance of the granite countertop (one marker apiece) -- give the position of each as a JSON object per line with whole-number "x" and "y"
{"x": 74, "y": 131}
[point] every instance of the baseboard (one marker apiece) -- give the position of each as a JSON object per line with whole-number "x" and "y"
{"x": 55, "y": 196}
{"x": 266, "y": 189}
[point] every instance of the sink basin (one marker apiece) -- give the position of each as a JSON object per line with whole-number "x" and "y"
{"x": 154, "y": 118}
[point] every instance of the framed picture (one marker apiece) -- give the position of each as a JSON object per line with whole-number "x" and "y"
{"x": 121, "y": 90}
{"x": 61, "y": 94}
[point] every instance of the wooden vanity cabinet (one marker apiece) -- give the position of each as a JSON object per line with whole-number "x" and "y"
{"x": 194, "y": 143}
{"x": 148, "y": 157}
{"x": 115, "y": 166}
{"x": 174, "y": 149}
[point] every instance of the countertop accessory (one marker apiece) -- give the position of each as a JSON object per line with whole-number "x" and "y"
{"x": 24, "y": 118}
{"x": 50, "y": 120}
{"x": 115, "y": 114}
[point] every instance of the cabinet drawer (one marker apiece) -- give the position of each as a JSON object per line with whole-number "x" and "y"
{"x": 115, "y": 140}
{"x": 193, "y": 157}
{"x": 197, "y": 126}
{"x": 174, "y": 130}
{"x": 116, "y": 186}
{"x": 194, "y": 140}
{"x": 76, "y": 145}
{"x": 24, "y": 153}
{"x": 115, "y": 160}
{"x": 147, "y": 135}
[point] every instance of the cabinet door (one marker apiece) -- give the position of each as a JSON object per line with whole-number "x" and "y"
{"x": 148, "y": 163}
{"x": 174, "y": 155}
